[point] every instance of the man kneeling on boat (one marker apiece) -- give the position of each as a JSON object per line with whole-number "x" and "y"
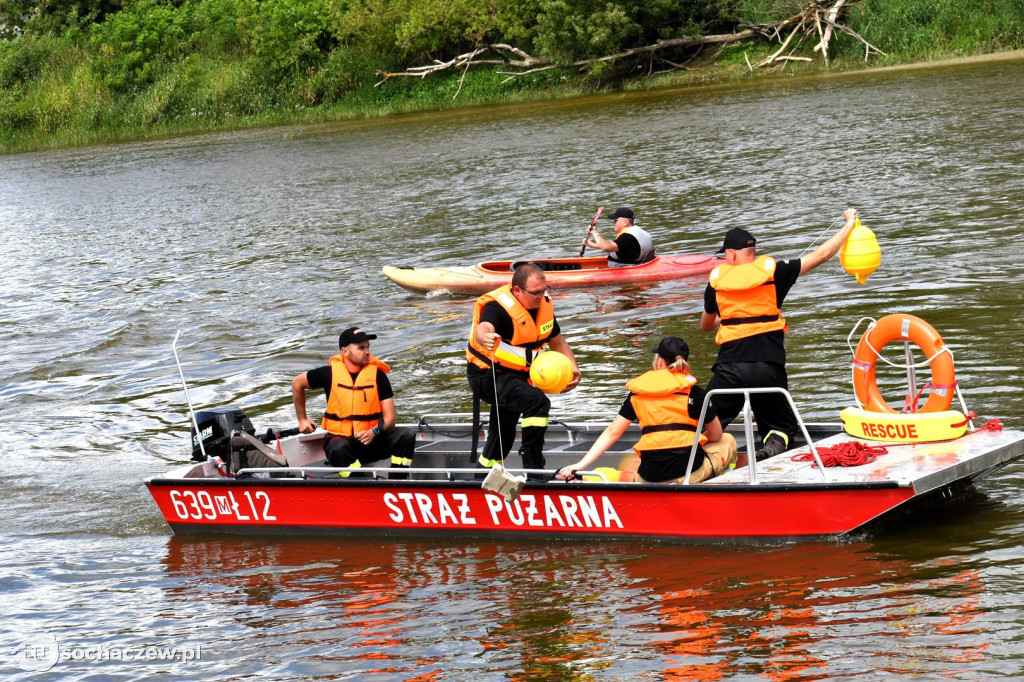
{"x": 667, "y": 403}
{"x": 360, "y": 414}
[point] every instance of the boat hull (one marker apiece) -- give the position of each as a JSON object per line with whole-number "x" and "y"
{"x": 584, "y": 273}
{"x": 784, "y": 498}
{"x": 463, "y": 509}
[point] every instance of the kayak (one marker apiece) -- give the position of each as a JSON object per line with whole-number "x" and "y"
{"x": 561, "y": 273}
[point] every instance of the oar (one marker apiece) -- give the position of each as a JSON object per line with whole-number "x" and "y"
{"x": 591, "y": 228}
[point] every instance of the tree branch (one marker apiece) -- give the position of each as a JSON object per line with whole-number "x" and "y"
{"x": 519, "y": 63}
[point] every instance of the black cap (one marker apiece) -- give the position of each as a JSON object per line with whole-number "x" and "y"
{"x": 622, "y": 212}
{"x": 737, "y": 238}
{"x": 671, "y": 347}
{"x": 353, "y": 335}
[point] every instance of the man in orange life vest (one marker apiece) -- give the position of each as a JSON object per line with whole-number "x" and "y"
{"x": 631, "y": 245}
{"x": 360, "y": 414}
{"x": 511, "y": 325}
{"x": 743, "y": 301}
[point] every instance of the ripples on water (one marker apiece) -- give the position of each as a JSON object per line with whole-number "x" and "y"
{"x": 261, "y": 245}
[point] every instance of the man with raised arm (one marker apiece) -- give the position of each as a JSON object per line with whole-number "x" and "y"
{"x": 743, "y": 301}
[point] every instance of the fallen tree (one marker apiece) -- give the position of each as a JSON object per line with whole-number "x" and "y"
{"x": 818, "y": 20}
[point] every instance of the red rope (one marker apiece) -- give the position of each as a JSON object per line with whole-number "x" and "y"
{"x": 992, "y": 425}
{"x": 848, "y": 454}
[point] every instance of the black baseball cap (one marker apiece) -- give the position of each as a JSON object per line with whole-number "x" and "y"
{"x": 622, "y": 212}
{"x": 353, "y": 335}
{"x": 672, "y": 347}
{"x": 737, "y": 238}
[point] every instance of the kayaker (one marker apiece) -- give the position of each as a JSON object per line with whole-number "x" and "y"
{"x": 632, "y": 244}
{"x": 667, "y": 402}
{"x": 511, "y": 325}
{"x": 743, "y": 301}
{"x": 360, "y": 413}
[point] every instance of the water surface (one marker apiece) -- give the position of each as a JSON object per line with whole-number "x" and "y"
{"x": 260, "y": 246}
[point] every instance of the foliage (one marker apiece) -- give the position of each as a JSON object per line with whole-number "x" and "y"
{"x": 38, "y": 18}
{"x": 135, "y": 45}
{"x": 289, "y": 38}
{"x": 74, "y": 68}
{"x": 931, "y": 27}
{"x": 568, "y": 30}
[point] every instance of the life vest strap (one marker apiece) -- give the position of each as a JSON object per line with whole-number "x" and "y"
{"x": 749, "y": 320}
{"x": 482, "y": 356}
{"x": 355, "y": 388}
{"x": 354, "y": 417}
{"x": 654, "y": 428}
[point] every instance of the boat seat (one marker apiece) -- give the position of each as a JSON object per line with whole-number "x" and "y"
{"x": 547, "y": 266}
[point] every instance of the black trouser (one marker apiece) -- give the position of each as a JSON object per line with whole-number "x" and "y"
{"x": 515, "y": 397}
{"x": 396, "y": 444}
{"x": 771, "y": 410}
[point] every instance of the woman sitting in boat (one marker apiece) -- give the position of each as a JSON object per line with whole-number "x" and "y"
{"x": 632, "y": 245}
{"x": 667, "y": 402}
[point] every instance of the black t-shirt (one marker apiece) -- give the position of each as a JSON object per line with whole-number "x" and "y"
{"x": 768, "y": 347}
{"x": 629, "y": 249}
{"x": 670, "y": 463}
{"x": 321, "y": 378}
{"x": 494, "y": 313}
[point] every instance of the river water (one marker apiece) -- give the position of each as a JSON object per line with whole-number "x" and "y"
{"x": 259, "y": 246}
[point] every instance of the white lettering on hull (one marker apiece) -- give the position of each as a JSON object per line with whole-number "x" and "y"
{"x": 406, "y": 511}
{"x": 442, "y": 509}
{"x": 531, "y": 511}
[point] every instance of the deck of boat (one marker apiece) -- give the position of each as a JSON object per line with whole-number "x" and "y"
{"x": 444, "y": 442}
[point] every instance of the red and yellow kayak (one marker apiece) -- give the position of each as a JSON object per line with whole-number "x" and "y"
{"x": 561, "y": 273}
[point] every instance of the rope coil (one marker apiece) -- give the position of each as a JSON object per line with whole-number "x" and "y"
{"x": 849, "y": 454}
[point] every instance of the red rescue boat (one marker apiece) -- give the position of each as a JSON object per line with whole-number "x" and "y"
{"x": 784, "y": 498}
{"x": 561, "y": 273}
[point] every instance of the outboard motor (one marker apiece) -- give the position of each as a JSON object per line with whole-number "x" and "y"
{"x": 216, "y": 426}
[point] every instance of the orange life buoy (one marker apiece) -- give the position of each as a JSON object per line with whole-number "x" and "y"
{"x": 917, "y": 331}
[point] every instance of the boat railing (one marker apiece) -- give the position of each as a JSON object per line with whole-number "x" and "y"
{"x": 573, "y": 423}
{"x": 384, "y": 472}
{"x": 748, "y": 428}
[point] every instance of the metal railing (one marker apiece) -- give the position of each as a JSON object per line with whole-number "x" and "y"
{"x": 383, "y": 472}
{"x": 748, "y": 428}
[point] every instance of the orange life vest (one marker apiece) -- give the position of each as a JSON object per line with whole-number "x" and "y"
{"x": 661, "y": 401}
{"x": 354, "y": 405}
{"x": 746, "y": 299}
{"x": 527, "y": 340}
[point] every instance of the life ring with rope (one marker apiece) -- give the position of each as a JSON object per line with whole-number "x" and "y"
{"x": 904, "y": 327}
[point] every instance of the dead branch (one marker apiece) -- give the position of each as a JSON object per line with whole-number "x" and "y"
{"x": 770, "y": 60}
{"x": 817, "y": 20}
{"x": 829, "y": 21}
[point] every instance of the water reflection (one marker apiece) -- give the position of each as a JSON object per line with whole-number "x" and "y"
{"x": 560, "y": 611}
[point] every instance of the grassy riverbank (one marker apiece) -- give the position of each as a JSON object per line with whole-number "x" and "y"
{"x": 75, "y": 73}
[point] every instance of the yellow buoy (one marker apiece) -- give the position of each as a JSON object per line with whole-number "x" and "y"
{"x": 860, "y": 254}
{"x": 551, "y": 371}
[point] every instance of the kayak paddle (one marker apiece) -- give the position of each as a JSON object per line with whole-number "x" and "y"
{"x": 590, "y": 229}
